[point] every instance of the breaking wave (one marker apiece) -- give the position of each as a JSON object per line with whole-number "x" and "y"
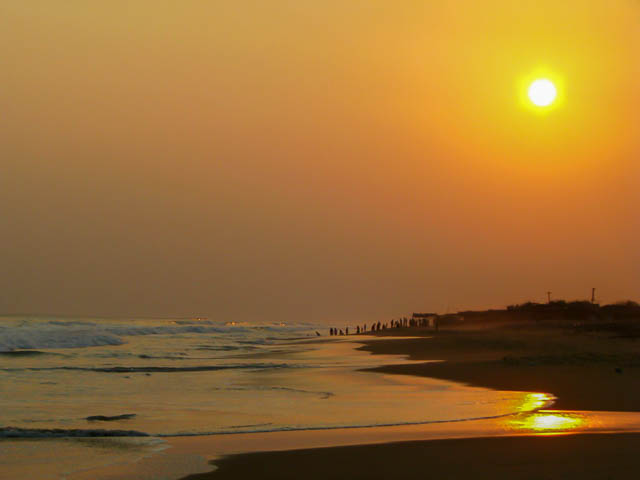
{"x": 57, "y": 334}
{"x": 28, "y": 338}
{"x": 124, "y": 369}
{"x": 12, "y": 432}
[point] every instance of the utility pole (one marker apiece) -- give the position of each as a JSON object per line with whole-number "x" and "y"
{"x": 593, "y": 295}
{"x": 548, "y": 297}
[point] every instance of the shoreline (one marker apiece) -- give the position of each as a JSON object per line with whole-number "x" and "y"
{"x": 582, "y": 377}
{"x": 589, "y": 373}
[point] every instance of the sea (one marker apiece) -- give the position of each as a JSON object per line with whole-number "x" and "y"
{"x": 77, "y": 394}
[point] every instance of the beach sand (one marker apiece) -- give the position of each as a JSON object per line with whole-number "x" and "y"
{"x": 588, "y": 456}
{"x": 585, "y": 372}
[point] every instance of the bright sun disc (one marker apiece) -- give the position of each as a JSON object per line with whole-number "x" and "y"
{"x": 542, "y": 92}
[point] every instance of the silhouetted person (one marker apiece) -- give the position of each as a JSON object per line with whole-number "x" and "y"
{"x": 341, "y": 332}
{"x": 358, "y": 329}
{"x": 347, "y": 330}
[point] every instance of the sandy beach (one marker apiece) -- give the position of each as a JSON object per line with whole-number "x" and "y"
{"x": 584, "y": 371}
{"x": 589, "y": 456}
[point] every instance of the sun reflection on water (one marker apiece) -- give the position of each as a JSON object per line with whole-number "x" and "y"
{"x": 547, "y": 422}
{"x": 535, "y": 401}
{"x": 543, "y": 422}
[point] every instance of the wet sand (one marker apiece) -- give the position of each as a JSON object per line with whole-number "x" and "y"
{"x": 586, "y": 457}
{"x": 585, "y": 372}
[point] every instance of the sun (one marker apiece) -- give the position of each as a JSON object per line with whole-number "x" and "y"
{"x": 542, "y": 92}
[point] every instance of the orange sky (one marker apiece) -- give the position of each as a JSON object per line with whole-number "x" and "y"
{"x": 347, "y": 159}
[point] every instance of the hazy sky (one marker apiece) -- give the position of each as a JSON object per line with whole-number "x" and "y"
{"x": 321, "y": 160}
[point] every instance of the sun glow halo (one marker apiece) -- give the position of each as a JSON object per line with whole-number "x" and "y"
{"x": 542, "y": 92}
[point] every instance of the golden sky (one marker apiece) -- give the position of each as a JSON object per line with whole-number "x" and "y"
{"x": 347, "y": 159}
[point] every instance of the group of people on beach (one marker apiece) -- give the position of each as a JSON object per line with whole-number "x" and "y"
{"x": 376, "y": 327}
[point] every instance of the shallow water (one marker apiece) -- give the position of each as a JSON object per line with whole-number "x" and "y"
{"x": 54, "y": 459}
{"x": 186, "y": 455}
{"x": 180, "y": 377}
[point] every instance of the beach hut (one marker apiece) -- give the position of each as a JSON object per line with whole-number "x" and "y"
{"x": 424, "y": 319}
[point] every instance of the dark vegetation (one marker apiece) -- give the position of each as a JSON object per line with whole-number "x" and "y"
{"x": 619, "y": 319}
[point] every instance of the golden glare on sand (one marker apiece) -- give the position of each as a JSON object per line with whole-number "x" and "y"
{"x": 542, "y": 92}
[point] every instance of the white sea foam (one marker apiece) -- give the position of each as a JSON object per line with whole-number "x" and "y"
{"x": 29, "y": 337}
{"x": 56, "y": 334}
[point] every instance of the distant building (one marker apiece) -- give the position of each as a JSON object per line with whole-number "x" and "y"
{"x": 424, "y": 319}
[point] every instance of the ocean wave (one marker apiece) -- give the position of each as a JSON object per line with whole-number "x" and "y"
{"x": 253, "y": 388}
{"x": 160, "y": 369}
{"x": 28, "y": 335}
{"x": 14, "y": 432}
{"x": 222, "y": 348}
{"x": 193, "y": 322}
{"x": 26, "y": 353}
{"x": 28, "y": 338}
{"x": 69, "y": 323}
